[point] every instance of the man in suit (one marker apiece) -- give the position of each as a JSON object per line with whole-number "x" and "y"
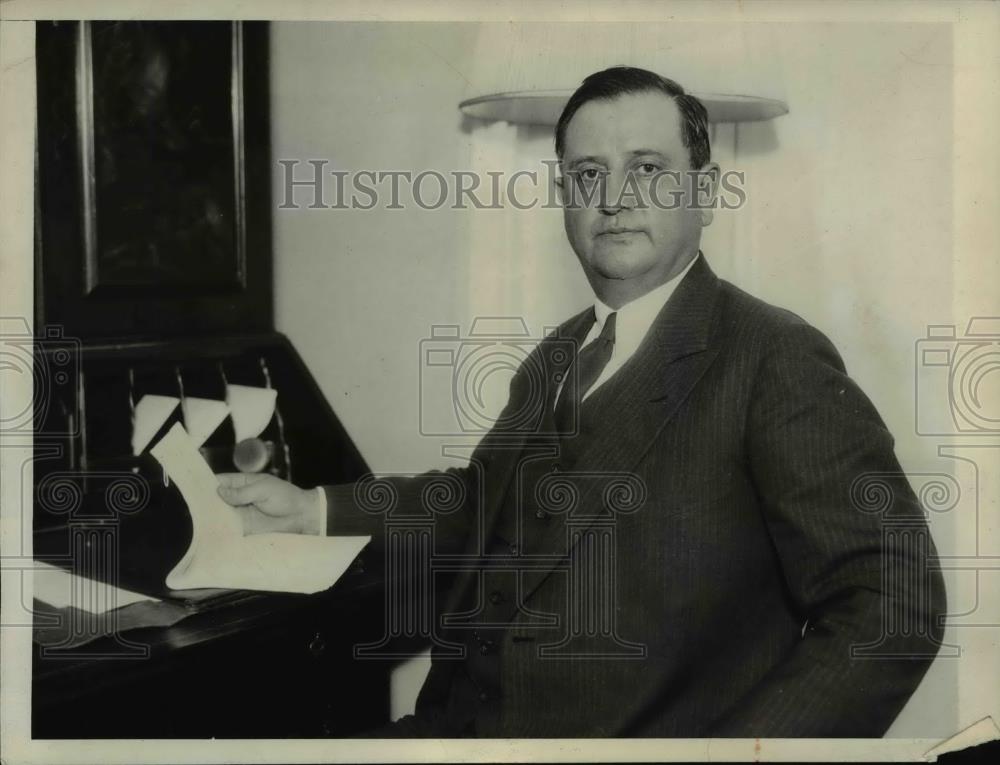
{"x": 677, "y": 540}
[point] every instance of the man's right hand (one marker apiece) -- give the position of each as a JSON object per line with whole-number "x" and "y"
{"x": 269, "y": 504}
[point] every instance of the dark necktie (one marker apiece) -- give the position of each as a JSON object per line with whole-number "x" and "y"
{"x": 590, "y": 362}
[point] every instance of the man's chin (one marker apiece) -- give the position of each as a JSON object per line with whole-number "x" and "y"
{"x": 619, "y": 265}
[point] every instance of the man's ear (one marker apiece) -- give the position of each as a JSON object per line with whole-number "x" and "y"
{"x": 706, "y": 189}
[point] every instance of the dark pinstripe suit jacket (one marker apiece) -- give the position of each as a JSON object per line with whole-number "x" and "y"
{"x": 769, "y": 600}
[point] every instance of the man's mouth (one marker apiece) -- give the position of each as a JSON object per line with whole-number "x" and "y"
{"x": 620, "y": 231}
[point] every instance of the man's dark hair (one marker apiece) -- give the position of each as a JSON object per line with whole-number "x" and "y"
{"x": 620, "y": 80}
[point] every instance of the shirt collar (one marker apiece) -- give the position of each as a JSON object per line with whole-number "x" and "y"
{"x": 635, "y": 318}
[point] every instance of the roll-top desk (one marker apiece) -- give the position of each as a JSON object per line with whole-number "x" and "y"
{"x": 153, "y": 278}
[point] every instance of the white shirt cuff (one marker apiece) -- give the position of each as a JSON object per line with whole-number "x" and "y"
{"x": 321, "y": 509}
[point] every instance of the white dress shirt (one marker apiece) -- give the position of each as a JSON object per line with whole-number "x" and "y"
{"x": 631, "y": 327}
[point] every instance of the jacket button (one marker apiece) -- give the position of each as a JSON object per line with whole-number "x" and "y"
{"x": 317, "y": 646}
{"x": 496, "y": 597}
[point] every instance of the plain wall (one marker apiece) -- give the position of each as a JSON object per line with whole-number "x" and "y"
{"x": 847, "y": 223}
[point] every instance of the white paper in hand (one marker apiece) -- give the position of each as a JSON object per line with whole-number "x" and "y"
{"x": 220, "y": 556}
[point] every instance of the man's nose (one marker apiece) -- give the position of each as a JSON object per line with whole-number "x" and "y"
{"x": 617, "y": 195}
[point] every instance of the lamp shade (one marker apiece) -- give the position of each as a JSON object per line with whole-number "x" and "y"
{"x": 543, "y": 107}
{"x": 525, "y": 72}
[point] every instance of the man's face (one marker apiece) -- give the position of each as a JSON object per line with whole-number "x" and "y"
{"x": 642, "y": 226}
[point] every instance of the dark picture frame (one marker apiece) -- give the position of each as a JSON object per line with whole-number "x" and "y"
{"x": 153, "y": 178}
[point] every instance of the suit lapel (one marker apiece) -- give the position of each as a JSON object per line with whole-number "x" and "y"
{"x": 506, "y": 447}
{"x": 625, "y": 415}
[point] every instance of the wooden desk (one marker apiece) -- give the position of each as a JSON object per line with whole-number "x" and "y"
{"x": 260, "y": 666}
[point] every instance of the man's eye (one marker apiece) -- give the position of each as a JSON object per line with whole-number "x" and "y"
{"x": 590, "y": 174}
{"x": 648, "y": 168}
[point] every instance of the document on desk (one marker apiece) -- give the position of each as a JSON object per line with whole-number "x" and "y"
{"x": 60, "y": 588}
{"x": 221, "y": 556}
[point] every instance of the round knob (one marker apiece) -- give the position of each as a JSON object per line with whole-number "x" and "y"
{"x": 250, "y": 455}
{"x": 317, "y": 646}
